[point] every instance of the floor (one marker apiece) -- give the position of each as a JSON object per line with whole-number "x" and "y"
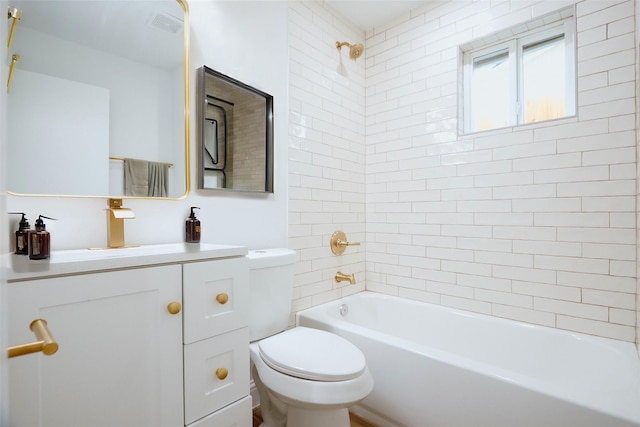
{"x": 355, "y": 420}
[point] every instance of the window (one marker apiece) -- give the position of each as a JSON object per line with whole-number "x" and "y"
{"x": 527, "y": 78}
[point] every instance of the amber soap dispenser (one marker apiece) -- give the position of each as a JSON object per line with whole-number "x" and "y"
{"x": 22, "y": 235}
{"x": 193, "y": 227}
{"x": 40, "y": 240}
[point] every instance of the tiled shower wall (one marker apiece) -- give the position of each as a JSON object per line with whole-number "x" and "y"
{"x": 326, "y": 153}
{"x": 533, "y": 223}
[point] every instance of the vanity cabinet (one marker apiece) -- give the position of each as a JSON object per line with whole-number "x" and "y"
{"x": 119, "y": 361}
{"x": 128, "y": 355}
{"x": 216, "y": 338}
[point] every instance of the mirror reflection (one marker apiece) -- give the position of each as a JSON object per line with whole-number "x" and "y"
{"x": 235, "y": 135}
{"x": 97, "y": 103}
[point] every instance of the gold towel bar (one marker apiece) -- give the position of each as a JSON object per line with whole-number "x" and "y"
{"x": 122, "y": 160}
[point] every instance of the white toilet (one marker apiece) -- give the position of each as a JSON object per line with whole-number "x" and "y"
{"x": 305, "y": 377}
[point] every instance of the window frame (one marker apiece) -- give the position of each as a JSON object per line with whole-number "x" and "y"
{"x": 515, "y": 45}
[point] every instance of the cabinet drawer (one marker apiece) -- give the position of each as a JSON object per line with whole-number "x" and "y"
{"x": 237, "y": 414}
{"x": 215, "y": 298}
{"x": 204, "y": 391}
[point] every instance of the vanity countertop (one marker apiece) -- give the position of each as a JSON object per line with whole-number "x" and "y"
{"x": 78, "y": 261}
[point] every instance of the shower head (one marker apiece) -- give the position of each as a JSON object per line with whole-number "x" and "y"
{"x": 355, "y": 50}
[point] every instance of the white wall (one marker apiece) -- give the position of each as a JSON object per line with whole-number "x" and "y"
{"x": 248, "y": 41}
{"x": 533, "y": 223}
{"x": 4, "y": 223}
{"x": 326, "y": 153}
{"x": 637, "y": 5}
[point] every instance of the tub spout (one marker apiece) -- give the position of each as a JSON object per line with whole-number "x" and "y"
{"x": 350, "y": 277}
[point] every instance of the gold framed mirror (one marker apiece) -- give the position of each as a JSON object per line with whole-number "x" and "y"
{"x": 99, "y": 99}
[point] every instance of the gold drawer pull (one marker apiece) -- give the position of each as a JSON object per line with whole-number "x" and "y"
{"x": 45, "y": 343}
{"x": 222, "y": 373}
{"x": 222, "y": 298}
{"x": 174, "y": 307}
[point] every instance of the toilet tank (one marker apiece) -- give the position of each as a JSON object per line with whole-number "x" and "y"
{"x": 270, "y": 289}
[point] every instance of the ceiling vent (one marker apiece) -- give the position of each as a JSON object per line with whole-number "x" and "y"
{"x": 165, "y": 22}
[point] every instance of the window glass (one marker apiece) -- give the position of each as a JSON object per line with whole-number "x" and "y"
{"x": 521, "y": 75}
{"x": 544, "y": 82}
{"x": 490, "y": 98}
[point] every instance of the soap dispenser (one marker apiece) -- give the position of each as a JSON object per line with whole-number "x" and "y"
{"x": 40, "y": 240}
{"x": 22, "y": 235}
{"x": 193, "y": 227}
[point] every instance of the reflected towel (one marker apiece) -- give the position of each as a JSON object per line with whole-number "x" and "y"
{"x": 158, "y": 173}
{"x": 136, "y": 177}
{"x": 145, "y": 179}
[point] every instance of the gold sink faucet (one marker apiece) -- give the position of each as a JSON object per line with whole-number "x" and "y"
{"x": 350, "y": 277}
{"x": 116, "y": 215}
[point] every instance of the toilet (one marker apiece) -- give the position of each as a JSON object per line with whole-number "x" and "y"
{"x": 305, "y": 377}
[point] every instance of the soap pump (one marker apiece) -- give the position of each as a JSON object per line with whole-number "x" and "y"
{"x": 193, "y": 227}
{"x": 22, "y": 235}
{"x": 40, "y": 240}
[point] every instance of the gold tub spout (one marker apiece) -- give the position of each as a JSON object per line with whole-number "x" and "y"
{"x": 350, "y": 277}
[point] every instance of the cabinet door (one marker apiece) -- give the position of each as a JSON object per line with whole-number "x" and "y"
{"x": 216, "y": 298}
{"x": 119, "y": 361}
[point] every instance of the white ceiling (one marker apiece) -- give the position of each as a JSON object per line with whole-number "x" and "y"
{"x": 367, "y": 14}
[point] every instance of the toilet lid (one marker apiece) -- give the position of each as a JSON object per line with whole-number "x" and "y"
{"x": 312, "y": 354}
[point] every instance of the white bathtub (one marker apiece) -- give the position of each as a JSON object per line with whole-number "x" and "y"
{"x": 436, "y": 366}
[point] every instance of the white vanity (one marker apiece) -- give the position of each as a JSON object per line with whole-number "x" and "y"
{"x": 150, "y": 336}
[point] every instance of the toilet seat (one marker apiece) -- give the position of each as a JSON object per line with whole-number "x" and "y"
{"x": 312, "y": 354}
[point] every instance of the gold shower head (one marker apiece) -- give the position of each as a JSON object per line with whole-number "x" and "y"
{"x": 355, "y": 50}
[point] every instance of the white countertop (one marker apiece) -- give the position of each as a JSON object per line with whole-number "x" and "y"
{"x": 76, "y": 261}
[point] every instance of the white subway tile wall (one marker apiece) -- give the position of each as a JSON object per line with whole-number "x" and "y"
{"x": 326, "y": 153}
{"x": 534, "y": 223}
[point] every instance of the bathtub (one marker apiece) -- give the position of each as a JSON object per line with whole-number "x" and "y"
{"x": 437, "y": 366}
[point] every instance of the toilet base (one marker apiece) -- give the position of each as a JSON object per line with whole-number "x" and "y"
{"x": 304, "y": 417}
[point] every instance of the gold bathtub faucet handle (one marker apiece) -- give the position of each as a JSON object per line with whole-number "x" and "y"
{"x": 339, "y": 243}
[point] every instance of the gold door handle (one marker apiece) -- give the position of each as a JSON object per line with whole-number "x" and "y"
{"x": 222, "y": 298}
{"x": 45, "y": 343}
{"x": 174, "y": 307}
{"x": 339, "y": 243}
{"x": 222, "y": 373}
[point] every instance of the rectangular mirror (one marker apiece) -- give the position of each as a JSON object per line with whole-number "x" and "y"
{"x": 98, "y": 85}
{"x": 235, "y": 135}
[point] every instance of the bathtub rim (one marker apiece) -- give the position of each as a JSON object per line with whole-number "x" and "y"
{"x": 622, "y": 409}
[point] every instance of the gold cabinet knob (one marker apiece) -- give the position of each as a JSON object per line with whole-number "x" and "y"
{"x": 222, "y": 373}
{"x": 174, "y": 307}
{"x": 222, "y": 298}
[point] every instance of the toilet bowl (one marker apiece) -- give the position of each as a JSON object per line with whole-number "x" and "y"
{"x": 305, "y": 377}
